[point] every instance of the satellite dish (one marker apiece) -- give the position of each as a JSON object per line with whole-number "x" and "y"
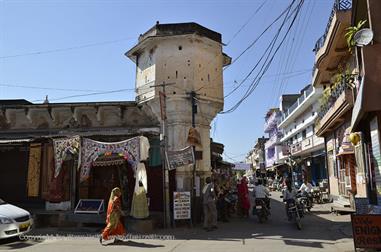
{"x": 363, "y": 37}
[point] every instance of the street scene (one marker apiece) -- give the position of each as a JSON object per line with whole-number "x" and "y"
{"x": 190, "y": 125}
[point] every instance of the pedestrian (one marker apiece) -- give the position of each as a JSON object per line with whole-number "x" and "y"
{"x": 209, "y": 205}
{"x": 243, "y": 194}
{"x": 114, "y": 225}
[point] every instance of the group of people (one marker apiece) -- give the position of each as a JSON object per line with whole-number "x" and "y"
{"x": 217, "y": 202}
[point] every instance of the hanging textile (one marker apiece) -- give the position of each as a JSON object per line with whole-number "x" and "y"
{"x": 139, "y": 204}
{"x": 47, "y": 169}
{"x": 141, "y": 176}
{"x": 63, "y": 147}
{"x": 33, "y": 184}
{"x": 91, "y": 149}
{"x": 144, "y": 148}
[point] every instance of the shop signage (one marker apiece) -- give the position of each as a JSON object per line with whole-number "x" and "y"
{"x": 180, "y": 158}
{"x": 181, "y": 205}
{"x": 366, "y": 231}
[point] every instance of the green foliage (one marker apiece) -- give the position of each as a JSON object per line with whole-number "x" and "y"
{"x": 351, "y": 31}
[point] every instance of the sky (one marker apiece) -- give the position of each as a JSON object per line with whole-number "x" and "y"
{"x": 68, "y": 49}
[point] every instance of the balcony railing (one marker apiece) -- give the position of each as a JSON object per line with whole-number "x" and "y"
{"x": 306, "y": 144}
{"x": 326, "y": 104}
{"x": 339, "y": 5}
{"x": 299, "y": 101}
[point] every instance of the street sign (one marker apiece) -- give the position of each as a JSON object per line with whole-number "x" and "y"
{"x": 181, "y": 205}
{"x": 180, "y": 158}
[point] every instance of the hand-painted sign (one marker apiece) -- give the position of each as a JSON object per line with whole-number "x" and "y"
{"x": 180, "y": 158}
{"x": 366, "y": 231}
{"x": 181, "y": 205}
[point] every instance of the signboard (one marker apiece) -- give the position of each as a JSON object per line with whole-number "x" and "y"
{"x": 366, "y": 231}
{"x": 90, "y": 206}
{"x": 180, "y": 158}
{"x": 181, "y": 205}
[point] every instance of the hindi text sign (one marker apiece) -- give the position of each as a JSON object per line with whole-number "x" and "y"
{"x": 181, "y": 205}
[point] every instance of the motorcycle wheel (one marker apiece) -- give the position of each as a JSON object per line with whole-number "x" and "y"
{"x": 298, "y": 223}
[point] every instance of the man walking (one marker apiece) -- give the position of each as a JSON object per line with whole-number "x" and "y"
{"x": 209, "y": 205}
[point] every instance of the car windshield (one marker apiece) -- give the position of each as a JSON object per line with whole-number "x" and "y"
{"x": 2, "y": 202}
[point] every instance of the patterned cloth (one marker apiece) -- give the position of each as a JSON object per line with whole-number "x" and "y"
{"x": 33, "y": 184}
{"x": 62, "y": 147}
{"x": 92, "y": 149}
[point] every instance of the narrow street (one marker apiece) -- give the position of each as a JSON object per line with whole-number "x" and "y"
{"x": 321, "y": 231}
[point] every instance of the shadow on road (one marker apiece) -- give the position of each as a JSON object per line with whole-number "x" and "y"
{"x": 315, "y": 233}
{"x": 135, "y": 244}
{"x": 17, "y": 243}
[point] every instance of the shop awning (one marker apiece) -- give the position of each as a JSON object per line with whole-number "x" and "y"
{"x": 272, "y": 168}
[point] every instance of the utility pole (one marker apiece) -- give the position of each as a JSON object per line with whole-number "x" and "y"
{"x": 194, "y": 111}
{"x": 164, "y": 147}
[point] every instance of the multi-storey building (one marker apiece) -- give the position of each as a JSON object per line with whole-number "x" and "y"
{"x": 366, "y": 115}
{"x": 297, "y": 125}
{"x": 335, "y": 71}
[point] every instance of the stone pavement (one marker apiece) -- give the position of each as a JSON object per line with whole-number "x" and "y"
{"x": 322, "y": 231}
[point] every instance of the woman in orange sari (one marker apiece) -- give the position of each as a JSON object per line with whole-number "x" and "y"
{"x": 113, "y": 220}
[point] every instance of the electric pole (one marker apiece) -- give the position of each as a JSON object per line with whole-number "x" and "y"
{"x": 164, "y": 148}
{"x": 194, "y": 111}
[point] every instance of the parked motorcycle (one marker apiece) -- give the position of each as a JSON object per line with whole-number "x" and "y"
{"x": 262, "y": 210}
{"x": 295, "y": 212}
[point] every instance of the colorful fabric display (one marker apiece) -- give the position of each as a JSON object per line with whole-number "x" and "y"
{"x": 62, "y": 147}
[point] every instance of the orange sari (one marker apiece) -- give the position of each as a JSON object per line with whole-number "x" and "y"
{"x": 114, "y": 226}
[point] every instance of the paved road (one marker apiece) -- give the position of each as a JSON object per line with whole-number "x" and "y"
{"x": 321, "y": 231}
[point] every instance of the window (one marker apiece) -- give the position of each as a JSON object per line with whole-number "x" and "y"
{"x": 304, "y": 134}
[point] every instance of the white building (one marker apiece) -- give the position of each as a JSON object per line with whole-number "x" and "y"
{"x": 298, "y": 127}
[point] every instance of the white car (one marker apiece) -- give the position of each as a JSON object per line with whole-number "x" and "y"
{"x": 14, "y": 221}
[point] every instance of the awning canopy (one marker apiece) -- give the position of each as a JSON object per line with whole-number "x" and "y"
{"x": 23, "y": 140}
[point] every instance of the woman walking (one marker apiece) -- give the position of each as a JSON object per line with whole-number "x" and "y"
{"x": 113, "y": 220}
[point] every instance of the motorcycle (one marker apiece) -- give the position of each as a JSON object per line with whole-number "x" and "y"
{"x": 262, "y": 210}
{"x": 306, "y": 200}
{"x": 295, "y": 212}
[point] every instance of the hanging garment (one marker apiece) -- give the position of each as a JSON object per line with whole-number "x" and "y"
{"x": 144, "y": 148}
{"x": 62, "y": 147}
{"x": 33, "y": 184}
{"x": 141, "y": 176}
{"x": 139, "y": 205}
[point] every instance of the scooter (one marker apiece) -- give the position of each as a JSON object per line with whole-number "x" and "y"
{"x": 262, "y": 210}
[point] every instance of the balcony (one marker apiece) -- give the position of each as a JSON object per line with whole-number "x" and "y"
{"x": 335, "y": 105}
{"x": 332, "y": 46}
{"x": 306, "y": 146}
{"x": 338, "y": 6}
{"x": 304, "y": 101}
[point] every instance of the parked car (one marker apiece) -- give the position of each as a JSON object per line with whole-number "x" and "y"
{"x": 14, "y": 221}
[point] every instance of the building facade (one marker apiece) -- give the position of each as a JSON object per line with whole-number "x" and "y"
{"x": 297, "y": 125}
{"x": 273, "y": 147}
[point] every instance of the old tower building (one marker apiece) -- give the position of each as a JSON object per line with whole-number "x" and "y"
{"x": 185, "y": 58}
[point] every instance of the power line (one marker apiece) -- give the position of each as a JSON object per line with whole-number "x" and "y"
{"x": 267, "y": 50}
{"x": 65, "y": 49}
{"x": 263, "y": 32}
{"x": 47, "y": 88}
{"x": 247, "y": 22}
{"x": 82, "y": 95}
{"x": 267, "y": 62}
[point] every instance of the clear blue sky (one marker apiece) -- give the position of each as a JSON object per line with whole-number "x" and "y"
{"x": 74, "y": 30}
